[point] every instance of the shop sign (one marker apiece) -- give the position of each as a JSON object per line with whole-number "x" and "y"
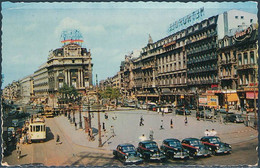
{"x": 203, "y": 101}
{"x": 212, "y": 100}
{"x": 214, "y": 86}
{"x": 250, "y": 95}
{"x": 242, "y": 35}
{"x": 250, "y": 89}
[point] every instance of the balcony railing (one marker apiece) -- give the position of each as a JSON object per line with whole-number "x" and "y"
{"x": 247, "y": 66}
{"x": 213, "y": 68}
{"x": 196, "y": 60}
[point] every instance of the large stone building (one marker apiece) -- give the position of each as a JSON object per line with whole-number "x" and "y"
{"x": 70, "y": 64}
{"x": 40, "y": 85}
{"x": 186, "y": 63}
{"x": 238, "y": 55}
{"x": 26, "y": 89}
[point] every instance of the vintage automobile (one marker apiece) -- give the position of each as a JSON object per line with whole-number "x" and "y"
{"x": 195, "y": 147}
{"x": 181, "y": 111}
{"x": 127, "y": 154}
{"x": 208, "y": 114}
{"x": 150, "y": 151}
{"x": 173, "y": 149}
{"x": 236, "y": 118}
{"x": 215, "y": 145}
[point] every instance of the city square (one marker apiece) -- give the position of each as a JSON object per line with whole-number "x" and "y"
{"x": 86, "y": 152}
{"x": 139, "y": 83}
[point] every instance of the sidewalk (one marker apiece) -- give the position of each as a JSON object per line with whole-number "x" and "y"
{"x": 127, "y": 129}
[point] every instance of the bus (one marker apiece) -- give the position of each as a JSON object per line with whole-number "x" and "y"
{"x": 37, "y": 129}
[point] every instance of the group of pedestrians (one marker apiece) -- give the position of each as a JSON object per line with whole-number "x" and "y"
{"x": 210, "y": 133}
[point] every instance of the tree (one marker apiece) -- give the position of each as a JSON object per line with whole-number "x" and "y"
{"x": 110, "y": 93}
{"x": 68, "y": 92}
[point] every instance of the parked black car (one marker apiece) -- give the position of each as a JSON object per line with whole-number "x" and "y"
{"x": 127, "y": 154}
{"x": 150, "y": 151}
{"x": 195, "y": 147}
{"x": 236, "y": 118}
{"x": 173, "y": 149}
{"x": 215, "y": 145}
{"x": 180, "y": 111}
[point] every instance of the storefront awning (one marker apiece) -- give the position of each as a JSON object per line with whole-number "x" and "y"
{"x": 232, "y": 97}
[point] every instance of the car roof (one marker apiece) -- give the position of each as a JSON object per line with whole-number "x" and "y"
{"x": 190, "y": 139}
{"x": 125, "y": 144}
{"x": 209, "y": 137}
{"x": 147, "y": 141}
{"x": 170, "y": 139}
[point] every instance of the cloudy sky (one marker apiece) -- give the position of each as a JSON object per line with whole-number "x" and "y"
{"x": 110, "y": 30}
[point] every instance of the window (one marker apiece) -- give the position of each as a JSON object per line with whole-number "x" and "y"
{"x": 252, "y": 57}
{"x": 242, "y": 17}
{"x": 247, "y": 78}
{"x": 37, "y": 128}
{"x": 251, "y": 20}
{"x": 236, "y": 17}
{"x": 245, "y": 58}
{"x": 239, "y": 59}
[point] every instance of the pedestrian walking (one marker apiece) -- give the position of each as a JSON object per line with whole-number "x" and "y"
{"x": 112, "y": 131}
{"x": 75, "y": 126}
{"x": 171, "y": 123}
{"x": 104, "y": 128}
{"x": 151, "y": 134}
{"x": 186, "y": 121}
{"x": 220, "y": 119}
{"x": 141, "y": 121}
{"x": 213, "y": 132}
{"x": 161, "y": 127}
{"x": 206, "y": 133}
{"x": 58, "y": 139}
{"x": 18, "y": 150}
{"x": 142, "y": 138}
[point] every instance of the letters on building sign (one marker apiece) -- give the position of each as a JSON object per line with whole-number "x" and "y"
{"x": 214, "y": 86}
{"x": 242, "y": 35}
{"x": 186, "y": 21}
{"x": 253, "y": 84}
{"x": 168, "y": 44}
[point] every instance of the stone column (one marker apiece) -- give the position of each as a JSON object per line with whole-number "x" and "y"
{"x": 69, "y": 77}
{"x": 81, "y": 77}
{"x": 78, "y": 81}
{"x": 66, "y": 76}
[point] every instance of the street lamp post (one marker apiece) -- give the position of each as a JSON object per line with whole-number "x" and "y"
{"x": 226, "y": 105}
{"x": 80, "y": 120}
{"x": 197, "y": 98}
{"x": 255, "y": 120}
{"x": 99, "y": 126}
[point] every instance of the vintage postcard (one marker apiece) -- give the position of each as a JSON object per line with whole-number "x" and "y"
{"x": 129, "y": 83}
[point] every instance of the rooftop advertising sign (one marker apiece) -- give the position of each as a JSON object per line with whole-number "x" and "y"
{"x": 244, "y": 34}
{"x": 186, "y": 21}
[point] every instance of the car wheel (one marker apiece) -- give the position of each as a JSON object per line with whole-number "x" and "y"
{"x": 213, "y": 152}
{"x": 186, "y": 158}
{"x": 146, "y": 157}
